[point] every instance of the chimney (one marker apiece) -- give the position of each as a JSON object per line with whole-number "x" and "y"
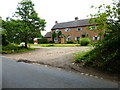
{"x": 76, "y": 18}
{"x": 56, "y": 22}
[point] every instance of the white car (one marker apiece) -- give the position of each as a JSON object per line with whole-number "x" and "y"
{"x": 23, "y": 44}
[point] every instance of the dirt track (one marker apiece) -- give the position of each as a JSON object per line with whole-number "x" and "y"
{"x": 60, "y": 57}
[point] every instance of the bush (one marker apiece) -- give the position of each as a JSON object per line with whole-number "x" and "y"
{"x": 4, "y": 40}
{"x": 42, "y": 41}
{"x": 10, "y": 47}
{"x": 69, "y": 42}
{"x": 84, "y": 41}
{"x": 105, "y": 56}
{"x": 50, "y": 42}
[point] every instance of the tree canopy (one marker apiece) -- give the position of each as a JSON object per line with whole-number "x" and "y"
{"x": 31, "y": 23}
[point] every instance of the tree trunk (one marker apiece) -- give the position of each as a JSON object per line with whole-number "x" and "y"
{"x": 26, "y": 39}
{"x": 52, "y": 39}
{"x": 26, "y": 44}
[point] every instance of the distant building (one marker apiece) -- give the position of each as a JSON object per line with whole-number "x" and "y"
{"x": 73, "y": 31}
{"x": 48, "y": 36}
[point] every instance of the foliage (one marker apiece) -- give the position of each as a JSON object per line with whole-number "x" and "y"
{"x": 69, "y": 42}
{"x": 53, "y": 36}
{"x": 80, "y": 56}
{"x": 58, "y": 35}
{"x": 42, "y": 41}
{"x": 105, "y": 55}
{"x": 13, "y": 29}
{"x": 84, "y": 41}
{"x": 32, "y": 24}
{"x": 4, "y": 37}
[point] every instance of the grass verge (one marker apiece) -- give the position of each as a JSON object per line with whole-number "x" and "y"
{"x": 14, "y": 49}
{"x": 56, "y": 45}
{"x": 80, "y": 56}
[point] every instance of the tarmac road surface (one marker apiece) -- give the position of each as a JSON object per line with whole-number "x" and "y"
{"x": 23, "y": 75}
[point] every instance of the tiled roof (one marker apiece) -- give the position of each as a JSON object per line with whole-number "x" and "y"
{"x": 48, "y": 35}
{"x": 76, "y": 23}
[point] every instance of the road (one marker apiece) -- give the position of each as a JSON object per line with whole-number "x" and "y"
{"x": 22, "y": 75}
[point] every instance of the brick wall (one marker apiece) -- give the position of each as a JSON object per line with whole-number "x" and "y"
{"x": 73, "y": 33}
{"x": 49, "y": 39}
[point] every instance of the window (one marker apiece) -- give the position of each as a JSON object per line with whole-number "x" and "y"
{"x": 92, "y": 27}
{"x": 78, "y": 29}
{"x": 96, "y": 37}
{"x": 67, "y": 30}
{"x": 57, "y": 30}
{"x": 68, "y": 38}
{"x": 77, "y": 38}
{"x": 83, "y": 35}
{"x": 55, "y": 39}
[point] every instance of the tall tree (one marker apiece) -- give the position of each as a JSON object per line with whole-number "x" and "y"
{"x": 31, "y": 22}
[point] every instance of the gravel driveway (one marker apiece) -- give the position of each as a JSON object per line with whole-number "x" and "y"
{"x": 60, "y": 57}
{"x": 57, "y": 56}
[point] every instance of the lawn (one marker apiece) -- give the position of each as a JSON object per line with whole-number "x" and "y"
{"x": 56, "y": 45}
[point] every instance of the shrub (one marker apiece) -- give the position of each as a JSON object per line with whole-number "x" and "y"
{"x": 50, "y": 42}
{"x": 10, "y": 47}
{"x": 4, "y": 40}
{"x": 84, "y": 41}
{"x": 69, "y": 42}
{"x": 105, "y": 56}
{"x": 42, "y": 41}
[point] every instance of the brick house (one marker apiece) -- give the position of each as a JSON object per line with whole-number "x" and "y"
{"x": 74, "y": 30}
{"x": 48, "y": 36}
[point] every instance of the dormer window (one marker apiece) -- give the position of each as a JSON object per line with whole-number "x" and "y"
{"x": 78, "y": 29}
{"x": 67, "y": 30}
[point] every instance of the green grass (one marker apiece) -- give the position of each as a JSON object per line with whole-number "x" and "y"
{"x": 14, "y": 49}
{"x": 56, "y": 45}
{"x": 80, "y": 56}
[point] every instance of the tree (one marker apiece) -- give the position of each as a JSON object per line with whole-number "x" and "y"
{"x": 32, "y": 24}
{"x": 59, "y": 35}
{"x": 105, "y": 55}
{"x": 3, "y": 34}
{"x": 4, "y": 37}
{"x": 12, "y": 28}
{"x": 106, "y": 16}
{"x": 53, "y": 36}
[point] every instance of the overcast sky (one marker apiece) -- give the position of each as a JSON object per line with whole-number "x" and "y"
{"x": 55, "y": 10}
